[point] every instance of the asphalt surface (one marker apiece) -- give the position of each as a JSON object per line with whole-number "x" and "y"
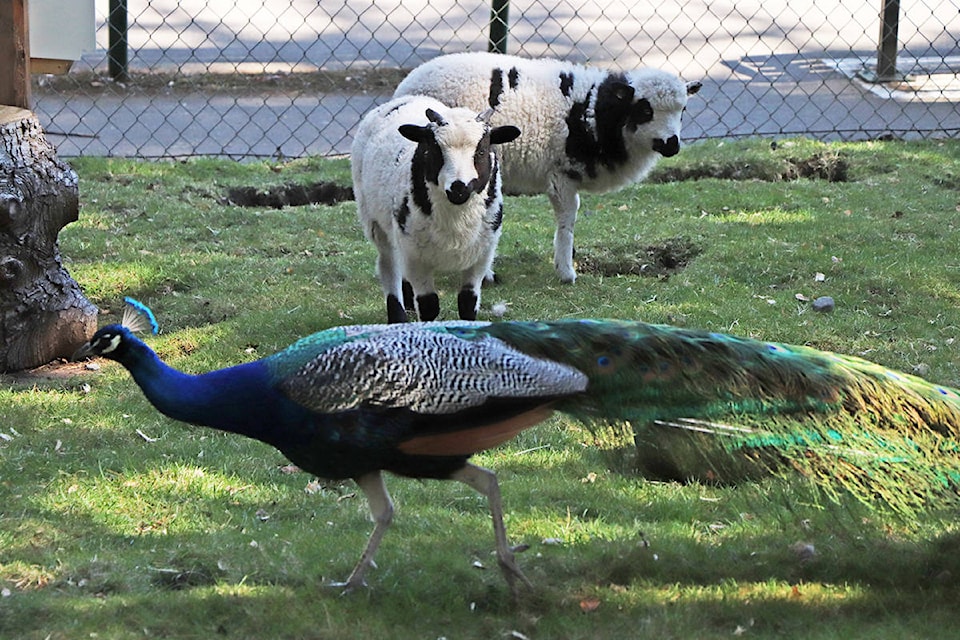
{"x": 769, "y": 69}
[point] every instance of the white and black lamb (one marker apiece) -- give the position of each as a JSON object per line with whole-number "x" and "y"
{"x": 427, "y": 185}
{"x": 584, "y": 128}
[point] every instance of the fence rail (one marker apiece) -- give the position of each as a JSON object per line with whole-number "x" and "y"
{"x": 243, "y": 78}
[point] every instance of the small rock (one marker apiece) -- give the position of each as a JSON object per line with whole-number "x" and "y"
{"x": 823, "y": 304}
{"x": 804, "y": 550}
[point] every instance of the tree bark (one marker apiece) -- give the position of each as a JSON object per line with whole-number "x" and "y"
{"x": 43, "y": 314}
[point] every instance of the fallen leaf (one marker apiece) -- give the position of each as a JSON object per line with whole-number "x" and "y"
{"x": 589, "y": 605}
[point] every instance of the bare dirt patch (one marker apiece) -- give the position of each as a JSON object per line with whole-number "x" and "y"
{"x": 289, "y": 195}
{"x": 829, "y": 166}
{"x": 655, "y": 261}
{"x": 57, "y": 374}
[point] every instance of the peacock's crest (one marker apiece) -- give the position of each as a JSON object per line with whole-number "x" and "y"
{"x": 138, "y": 317}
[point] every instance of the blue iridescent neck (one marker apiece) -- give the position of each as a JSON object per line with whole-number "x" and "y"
{"x": 238, "y": 399}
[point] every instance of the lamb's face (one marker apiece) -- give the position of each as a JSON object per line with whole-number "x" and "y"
{"x": 659, "y": 101}
{"x": 465, "y": 170}
{"x": 453, "y": 151}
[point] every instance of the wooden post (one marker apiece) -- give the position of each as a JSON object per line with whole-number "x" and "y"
{"x": 14, "y": 54}
{"x": 43, "y": 314}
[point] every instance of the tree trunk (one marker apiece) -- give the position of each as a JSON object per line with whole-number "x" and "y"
{"x": 43, "y": 314}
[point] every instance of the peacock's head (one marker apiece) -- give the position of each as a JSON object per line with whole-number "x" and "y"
{"x": 113, "y": 340}
{"x": 110, "y": 342}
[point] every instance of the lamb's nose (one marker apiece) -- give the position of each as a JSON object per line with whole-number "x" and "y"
{"x": 458, "y": 193}
{"x": 668, "y": 147}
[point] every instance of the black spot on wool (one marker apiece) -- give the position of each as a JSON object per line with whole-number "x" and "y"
{"x": 581, "y": 144}
{"x": 492, "y": 187}
{"x": 566, "y": 83}
{"x": 425, "y": 166}
{"x": 513, "y": 77}
{"x": 496, "y": 87}
{"x": 613, "y": 111}
{"x": 599, "y": 140}
{"x": 640, "y": 113}
{"x": 402, "y": 214}
{"x": 481, "y": 162}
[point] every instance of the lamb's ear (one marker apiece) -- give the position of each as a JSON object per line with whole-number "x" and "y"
{"x": 506, "y": 133}
{"x": 415, "y": 133}
{"x": 435, "y": 118}
{"x": 693, "y": 87}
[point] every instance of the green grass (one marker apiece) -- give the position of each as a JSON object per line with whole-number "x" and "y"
{"x": 192, "y": 533}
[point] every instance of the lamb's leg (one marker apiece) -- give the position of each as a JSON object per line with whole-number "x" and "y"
{"x": 424, "y": 291}
{"x": 408, "y": 301}
{"x": 468, "y": 300}
{"x": 389, "y": 274}
{"x": 565, "y": 201}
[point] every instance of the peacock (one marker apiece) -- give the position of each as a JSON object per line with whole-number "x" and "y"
{"x": 419, "y": 399}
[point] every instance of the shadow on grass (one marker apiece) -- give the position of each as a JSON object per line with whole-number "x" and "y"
{"x": 707, "y": 554}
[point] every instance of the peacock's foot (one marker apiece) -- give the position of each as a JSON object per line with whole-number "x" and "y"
{"x": 348, "y": 586}
{"x": 512, "y": 573}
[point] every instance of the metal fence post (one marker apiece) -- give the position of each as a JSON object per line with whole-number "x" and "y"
{"x": 117, "y": 65}
{"x": 886, "y": 70}
{"x": 499, "y": 26}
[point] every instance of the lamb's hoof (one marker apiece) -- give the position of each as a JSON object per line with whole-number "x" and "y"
{"x": 567, "y": 273}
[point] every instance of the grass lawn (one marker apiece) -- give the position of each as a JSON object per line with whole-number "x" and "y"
{"x": 116, "y": 522}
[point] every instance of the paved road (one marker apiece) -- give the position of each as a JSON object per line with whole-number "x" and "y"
{"x": 769, "y": 68}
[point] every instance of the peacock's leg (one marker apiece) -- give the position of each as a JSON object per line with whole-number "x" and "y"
{"x": 381, "y": 508}
{"x": 485, "y": 481}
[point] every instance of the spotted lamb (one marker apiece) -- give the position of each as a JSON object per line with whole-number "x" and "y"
{"x": 427, "y": 185}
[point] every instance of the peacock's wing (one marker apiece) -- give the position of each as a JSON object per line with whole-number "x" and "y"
{"x": 459, "y": 391}
{"x": 428, "y": 369}
{"x": 422, "y": 389}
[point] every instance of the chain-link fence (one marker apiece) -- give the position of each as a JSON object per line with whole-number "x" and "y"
{"x": 243, "y": 78}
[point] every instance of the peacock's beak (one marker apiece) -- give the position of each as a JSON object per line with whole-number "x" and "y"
{"x": 85, "y": 351}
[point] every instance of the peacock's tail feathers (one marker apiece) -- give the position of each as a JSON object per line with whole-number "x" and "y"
{"x": 847, "y": 423}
